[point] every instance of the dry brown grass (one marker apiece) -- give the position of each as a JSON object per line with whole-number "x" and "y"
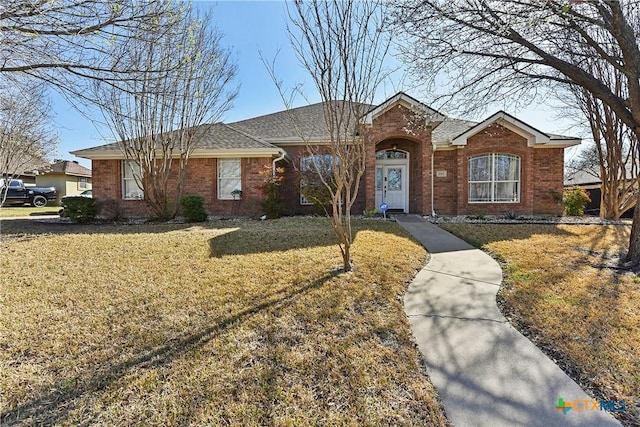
{"x": 564, "y": 288}
{"x": 230, "y": 323}
{"x": 17, "y": 211}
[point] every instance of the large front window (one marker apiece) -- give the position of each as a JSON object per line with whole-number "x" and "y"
{"x": 131, "y": 178}
{"x": 229, "y": 179}
{"x": 494, "y": 178}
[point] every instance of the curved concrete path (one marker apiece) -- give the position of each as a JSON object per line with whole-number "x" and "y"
{"x": 486, "y": 372}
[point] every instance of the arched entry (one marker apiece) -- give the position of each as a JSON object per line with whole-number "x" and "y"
{"x": 392, "y": 179}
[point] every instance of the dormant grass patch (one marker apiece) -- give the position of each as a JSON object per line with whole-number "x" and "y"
{"x": 18, "y": 211}
{"x": 565, "y": 288}
{"x": 227, "y": 323}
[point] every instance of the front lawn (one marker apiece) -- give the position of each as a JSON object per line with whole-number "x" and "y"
{"x": 17, "y": 211}
{"x": 564, "y": 288}
{"x": 226, "y": 323}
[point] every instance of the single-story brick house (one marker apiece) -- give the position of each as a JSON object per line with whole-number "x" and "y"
{"x": 445, "y": 166}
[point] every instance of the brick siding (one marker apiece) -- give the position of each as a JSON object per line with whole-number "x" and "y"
{"x": 541, "y": 175}
{"x": 201, "y": 179}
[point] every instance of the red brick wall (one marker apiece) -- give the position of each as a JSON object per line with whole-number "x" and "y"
{"x": 445, "y": 188}
{"x": 548, "y": 164}
{"x": 201, "y": 179}
{"x": 291, "y": 184}
{"x": 395, "y": 127}
{"x": 540, "y": 171}
{"x": 541, "y": 174}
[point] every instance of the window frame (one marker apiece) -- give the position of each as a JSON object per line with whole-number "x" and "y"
{"x": 492, "y": 181}
{"x": 83, "y": 182}
{"x": 220, "y": 178}
{"x": 307, "y": 165}
{"x": 124, "y": 179}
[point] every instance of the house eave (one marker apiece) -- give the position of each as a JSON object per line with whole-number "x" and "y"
{"x": 534, "y": 137}
{"x": 198, "y": 153}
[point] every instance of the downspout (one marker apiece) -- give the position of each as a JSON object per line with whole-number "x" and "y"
{"x": 433, "y": 150}
{"x": 276, "y": 160}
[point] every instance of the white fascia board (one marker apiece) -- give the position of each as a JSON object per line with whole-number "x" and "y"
{"x": 118, "y": 155}
{"x": 249, "y": 152}
{"x": 560, "y": 143}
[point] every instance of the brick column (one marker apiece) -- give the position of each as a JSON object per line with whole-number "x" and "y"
{"x": 369, "y": 180}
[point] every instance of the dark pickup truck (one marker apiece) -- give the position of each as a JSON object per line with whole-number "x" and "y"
{"x": 17, "y": 194}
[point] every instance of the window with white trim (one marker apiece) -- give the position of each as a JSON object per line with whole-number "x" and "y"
{"x": 494, "y": 177}
{"x": 131, "y": 176}
{"x": 229, "y": 179}
{"x": 82, "y": 183}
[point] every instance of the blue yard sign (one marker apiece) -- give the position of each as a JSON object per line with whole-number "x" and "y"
{"x": 383, "y": 208}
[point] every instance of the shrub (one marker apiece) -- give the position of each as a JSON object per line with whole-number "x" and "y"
{"x": 273, "y": 205}
{"x": 193, "y": 208}
{"x": 370, "y": 213}
{"x": 110, "y": 209}
{"x": 80, "y": 209}
{"x": 574, "y": 199}
{"x": 510, "y": 215}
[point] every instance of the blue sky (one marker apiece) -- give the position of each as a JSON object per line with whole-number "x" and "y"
{"x": 251, "y": 27}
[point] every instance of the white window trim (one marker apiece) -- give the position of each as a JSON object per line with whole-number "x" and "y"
{"x": 303, "y": 200}
{"x": 125, "y": 179}
{"x": 493, "y": 181}
{"x": 220, "y": 178}
{"x": 308, "y": 167}
{"x": 83, "y": 180}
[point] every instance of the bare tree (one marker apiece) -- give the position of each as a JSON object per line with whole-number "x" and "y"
{"x": 61, "y": 41}
{"x": 498, "y": 50}
{"x": 184, "y": 80}
{"x": 341, "y": 45}
{"x": 616, "y": 155}
{"x": 26, "y": 134}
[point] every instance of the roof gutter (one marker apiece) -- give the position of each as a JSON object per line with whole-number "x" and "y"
{"x": 276, "y": 160}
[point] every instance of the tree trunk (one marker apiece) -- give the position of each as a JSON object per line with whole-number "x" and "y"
{"x": 346, "y": 257}
{"x": 633, "y": 256}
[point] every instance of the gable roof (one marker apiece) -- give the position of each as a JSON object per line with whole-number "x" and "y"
{"x": 216, "y": 139}
{"x": 430, "y": 115}
{"x": 65, "y": 167}
{"x": 534, "y": 136}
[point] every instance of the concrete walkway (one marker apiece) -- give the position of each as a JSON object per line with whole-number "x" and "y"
{"x": 486, "y": 372}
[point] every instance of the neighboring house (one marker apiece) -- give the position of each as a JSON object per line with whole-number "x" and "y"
{"x": 68, "y": 177}
{"x": 444, "y": 166}
{"x": 590, "y": 181}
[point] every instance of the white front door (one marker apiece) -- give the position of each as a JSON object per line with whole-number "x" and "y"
{"x": 391, "y": 186}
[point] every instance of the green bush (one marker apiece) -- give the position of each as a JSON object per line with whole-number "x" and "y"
{"x": 80, "y": 209}
{"x": 574, "y": 199}
{"x": 193, "y": 208}
{"x": 272, "y": 205}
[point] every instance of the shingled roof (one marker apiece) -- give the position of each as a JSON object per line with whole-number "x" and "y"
{"x": 65, "y": 167}
{"x": 217, "y": 137}
{"x": 264, "y": 135}
{"x": 287, "y": 126}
